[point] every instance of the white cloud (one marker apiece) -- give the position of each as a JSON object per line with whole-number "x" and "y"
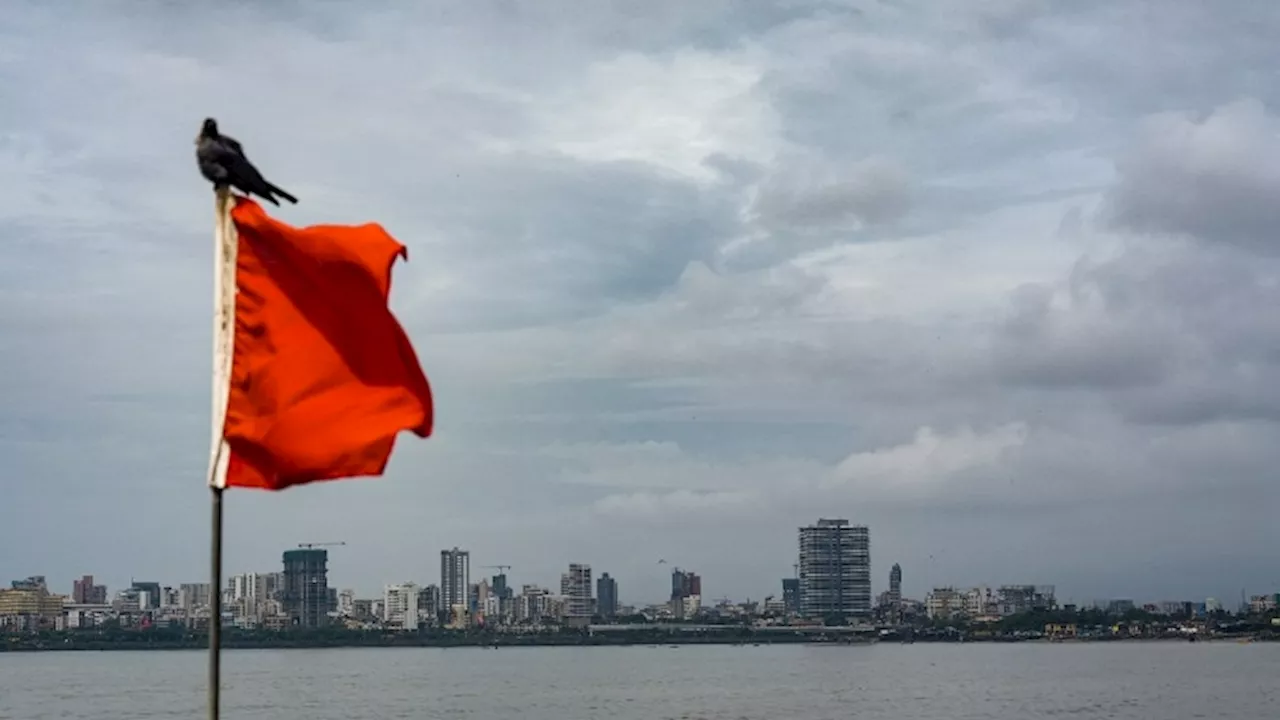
{"x": 930, "y": 459}
{"x": 673, "y": 112}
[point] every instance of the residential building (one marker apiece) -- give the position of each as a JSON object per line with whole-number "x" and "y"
{"x": 791, "y": 595}
{"x": 363, "y": 608}
{"x": 945, "y": 603}
{"x": 149, "y": 597}
{"x": 686, "y": 593}
{"x": 981, "y": 602}
{"x": 192, "y": 596}
{"x": 505, "y": 596}
{"x": 400, "y": 606}
{"x": 455, "y": 579}
{"x": 347, "y": 603}
{"x": 532, "y": 604}
{"x": 607, "y": 596}
{"x": 32, "y": 600}
{"x": 1018, "y": 599}
{"x": 575, "y": 586}
{"x": 305, "y": 595}
{"x": 429, "y": 600}
{"x": 85, "y": 592}
{"x": 835, "y": 569}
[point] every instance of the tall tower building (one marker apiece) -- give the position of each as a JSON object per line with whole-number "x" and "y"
{"x": 84, "y": 591}
{"x": 575, "y": 586}
{"x": 455, "y": 578}
{"x": 305, "y": 595}
{"x": 835, "y": 569}
{"x": 895, "y": 584}
{"x": 686, "y": 593}
{"x": 607, "y": 596}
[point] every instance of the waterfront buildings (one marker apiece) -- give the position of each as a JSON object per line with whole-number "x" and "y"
{"x": 575, "y": 586}
{"x": 835, "y": 569}
{"x": 85, "y": 592}
{"x": 686, "y": 593}
{"x": 791, "y": 595}
{"x": 305, "y": 595}
{"x": 455, "y": 580}
{"x": 400, "y": 604}
{"x": 606, "y": 596}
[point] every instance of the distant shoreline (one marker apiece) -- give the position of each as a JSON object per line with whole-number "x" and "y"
{"x": 71, "y": 644}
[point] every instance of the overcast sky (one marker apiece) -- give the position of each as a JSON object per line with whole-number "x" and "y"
{"x": 997, "y": 279}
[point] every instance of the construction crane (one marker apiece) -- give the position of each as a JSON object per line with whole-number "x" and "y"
{"x": 502, "y": 569}
{"x": 321, "y": 544}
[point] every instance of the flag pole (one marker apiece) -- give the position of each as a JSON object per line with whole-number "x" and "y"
{"x": 224, "y": 306}
{"x": 215, "y": 606}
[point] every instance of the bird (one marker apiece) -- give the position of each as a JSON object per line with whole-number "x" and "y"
{"x": 222, "y": 162}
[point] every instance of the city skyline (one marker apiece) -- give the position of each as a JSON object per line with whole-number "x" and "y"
{"x": 993, "y": 279}
{"x": 832, "y": 575}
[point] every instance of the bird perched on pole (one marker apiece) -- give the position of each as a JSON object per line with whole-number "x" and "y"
{"x": 222, "y": 162}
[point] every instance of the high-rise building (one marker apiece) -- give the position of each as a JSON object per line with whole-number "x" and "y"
{"x": 686, "y": 593}
{"x": 305, "y": 595}
{"x": 606, "y": 596}
{"x": 84, "y": 592}
{"x": 575, "y": 586}
{"x": 791, "y": 594}
{"x": 895, "y": 584}
{"x": 835, "y": 569}
{"x": 455, "y": 578}
{"x": 505, "y": 596}
{"x": 429, "y": 599}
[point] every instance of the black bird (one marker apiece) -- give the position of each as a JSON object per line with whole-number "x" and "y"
{"x": 223, "y": 162}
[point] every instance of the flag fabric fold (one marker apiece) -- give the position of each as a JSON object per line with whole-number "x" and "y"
{"x": 322, "y": 377}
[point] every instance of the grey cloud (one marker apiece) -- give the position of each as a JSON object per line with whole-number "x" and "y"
{"x": 1214, "y": 178}
{"x": 873, "y": 191}
{"x": 1087, "y": 343}
{"x": 657, "y": 283}
{"x": 1171, "y": 338}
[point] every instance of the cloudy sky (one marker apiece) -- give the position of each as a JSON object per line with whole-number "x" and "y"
{"x": 997, "y": 279}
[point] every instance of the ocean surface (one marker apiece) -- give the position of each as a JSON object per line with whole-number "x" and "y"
{"x": 1152, "y": 681}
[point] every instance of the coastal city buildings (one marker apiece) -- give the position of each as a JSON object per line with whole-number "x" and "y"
{"x": 946, "y": 603}
{"x": 400, "y": 606}
{"x": 455, "y": 580}
{"x": 305, "y": 594}
{"x": 575, "y": 586}
{"x": 791, "y": 595}
{"x": 835, "y": 569}
{"x": 606, "y": 596}
{"x": 85, "y": 592}
{"x": 686, "y": 593}
{"x": 831, "y": 586}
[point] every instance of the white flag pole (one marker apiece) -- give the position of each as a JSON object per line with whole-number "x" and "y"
{"x": 226, "y": 244}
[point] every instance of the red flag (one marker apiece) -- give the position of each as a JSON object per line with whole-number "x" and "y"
{"x": 322, "y": 375}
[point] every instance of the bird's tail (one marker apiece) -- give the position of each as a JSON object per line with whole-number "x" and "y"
{"x": 277, "y": 191}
